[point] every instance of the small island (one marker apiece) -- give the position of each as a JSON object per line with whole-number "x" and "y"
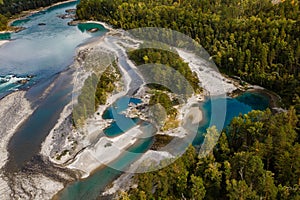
{"x": 205, "y": 107}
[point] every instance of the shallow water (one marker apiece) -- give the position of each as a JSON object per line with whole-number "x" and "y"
{"x": 91, "y": 187}
{"x": 43, "y": 50}
{"x": 121, "y": 123}
{"x": 234, "y": 107}
{"x": 256, "y": 100}
{"x": 47, "y": 50}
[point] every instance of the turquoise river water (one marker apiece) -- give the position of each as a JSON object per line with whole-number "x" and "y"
{"x": 41, "y": 51}
{"x": 41, "y": 54}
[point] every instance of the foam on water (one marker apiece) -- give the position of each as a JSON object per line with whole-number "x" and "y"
{"x": 12, "y": 82}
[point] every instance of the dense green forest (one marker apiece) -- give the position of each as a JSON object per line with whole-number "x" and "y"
{"x": 165, "y": 75}
{"x": 8, "y": 8}
{"x": 258, "y": 154}
{"x": 94, "y": 93}
{"x": 173, "y": 75}
{"x": 257, "y": 158}
{"x": 256, "y": 40}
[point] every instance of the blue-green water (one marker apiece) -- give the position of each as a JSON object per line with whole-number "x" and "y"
{"x": 47, "y": 50}
{"x": 121, "y": 123}
{"x": 5, "y": 36}
{"x": 91, "y": 187}
{"x": 256, "y": 100}
{"x": 234, "y": 107}
{"x": 119, "y": 106}
{"x": 85, "y": 27}
{"x": 43, "y": 50}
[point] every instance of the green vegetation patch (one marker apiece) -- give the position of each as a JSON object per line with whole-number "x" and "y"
{"x": 11, "y": 8}
{"x": 3, "y": 22}
{"x": 169, "y": 71}
{"x": 163, "y": 99}
{"x": 58, "y": 157}
{"x": 161, "y": 141}
{"x": 94, "y": 93}
{"x": 256, "y": 40}
{"x": 163, "y": 111}
{"x": 257, "y": 158}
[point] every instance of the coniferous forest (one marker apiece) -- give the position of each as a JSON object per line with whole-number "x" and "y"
{"x": 8, "y": 8}
{"x": 256, "y": 40}
{"x": 258, "y": 157}
{"x": 258, "y": 154}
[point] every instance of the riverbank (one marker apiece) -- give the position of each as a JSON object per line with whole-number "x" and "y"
{"x": 274, "y": 99}
{"x": 28, "y": 13}
{"x": 104, "y": 151}
{"x": 92, "y": 147}
{"x": 2, "y": 42}
{"x": 15, "y": 109}
{"x": 210, "y": 78}
{"x": 90, "y": 135}
{"x": 24, "y": 15}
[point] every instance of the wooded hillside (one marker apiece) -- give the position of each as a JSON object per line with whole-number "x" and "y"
{"x": 256, "y": 40}
{"x": 258, "y": 157}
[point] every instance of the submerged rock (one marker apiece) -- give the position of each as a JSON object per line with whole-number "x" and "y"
{"x": 66, "y": 16}
{"x": 23, "y": 81}
{"x": 93, "y": 30}
{"x": 72, "y": 10}
{"x": 18, "y": 29}
{"x": 30, "y": 76}
{"x": 73, "y": 23}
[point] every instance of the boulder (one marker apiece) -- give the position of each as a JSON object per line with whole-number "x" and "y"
{"x": 93, "y": 30}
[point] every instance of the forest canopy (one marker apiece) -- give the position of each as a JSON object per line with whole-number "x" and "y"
{"x": 257, "y": 155}
{"x": 8, "y": 8}
{"x": 183, "y": 82}
{"x": 257, "y": 158}
{"x": 256, "y": 40}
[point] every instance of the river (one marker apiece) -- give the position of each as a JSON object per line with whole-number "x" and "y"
{"x": 41, "y": 50}
{"x": 41, "y": 54}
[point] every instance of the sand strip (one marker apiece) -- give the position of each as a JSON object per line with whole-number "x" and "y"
{"x": 2, "y": 42}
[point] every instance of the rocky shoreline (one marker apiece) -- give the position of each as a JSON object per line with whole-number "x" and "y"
{"x": 93, "y": 135}
{"x": 2, "y": 42}
{"x": 15, "y": 109}
{"x": 28, "y": 13}
{"x": 95, "y": 149}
